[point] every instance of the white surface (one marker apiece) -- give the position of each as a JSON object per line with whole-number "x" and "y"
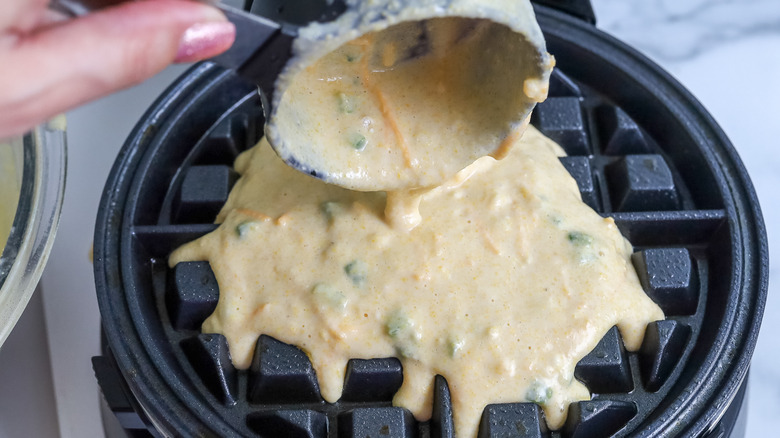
{"x": 27, "y": 407}
{"x": 726, "y": 52}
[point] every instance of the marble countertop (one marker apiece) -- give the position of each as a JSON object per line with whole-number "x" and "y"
{"x": 726, "y": 52}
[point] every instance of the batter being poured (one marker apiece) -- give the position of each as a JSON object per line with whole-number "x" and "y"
{"x": 504, "y": 284}
{"x": 492, "y": 274}
{"x": 398, "y": 102}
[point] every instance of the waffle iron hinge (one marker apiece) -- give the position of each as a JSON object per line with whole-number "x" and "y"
{"x": 118, "y": 398}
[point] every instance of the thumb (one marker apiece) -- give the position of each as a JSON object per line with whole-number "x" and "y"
{"x": 62, "y": 66}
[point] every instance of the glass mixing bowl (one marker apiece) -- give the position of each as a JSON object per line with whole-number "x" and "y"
{"x": 32, "y": 184}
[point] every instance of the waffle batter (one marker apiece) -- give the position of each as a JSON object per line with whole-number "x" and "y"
{"x": 504, "y": 282}
{"x": 412, "y": 104}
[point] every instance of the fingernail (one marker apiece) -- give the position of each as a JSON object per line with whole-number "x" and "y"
{"x": 204, "y": 40}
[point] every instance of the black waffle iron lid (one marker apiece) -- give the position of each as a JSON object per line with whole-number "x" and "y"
{"x": 642, "y": 151}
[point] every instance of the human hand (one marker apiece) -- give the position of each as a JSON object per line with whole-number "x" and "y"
{"x": 49, "y": 63}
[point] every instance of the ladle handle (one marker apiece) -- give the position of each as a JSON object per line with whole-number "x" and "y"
{"x": 81, "y": 7}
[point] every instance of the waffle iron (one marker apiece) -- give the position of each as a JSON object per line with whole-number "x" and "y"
{"x": 642, "y": 151}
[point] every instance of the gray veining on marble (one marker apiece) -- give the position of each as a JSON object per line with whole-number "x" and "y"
{"x": 682, "y": 29}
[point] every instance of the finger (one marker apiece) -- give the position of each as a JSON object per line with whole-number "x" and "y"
{"x": 21, "y": 15}
{"x": 49, "y": 18}
{"x": 79, "y": 60}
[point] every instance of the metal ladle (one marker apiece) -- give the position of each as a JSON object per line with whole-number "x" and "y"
{"x": 282, "y": 39}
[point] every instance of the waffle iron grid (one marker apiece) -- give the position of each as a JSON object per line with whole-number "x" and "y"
{"x": 621, "y": 172}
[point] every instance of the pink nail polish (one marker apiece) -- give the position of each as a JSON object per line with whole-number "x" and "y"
{"x": 204, "y": 40}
